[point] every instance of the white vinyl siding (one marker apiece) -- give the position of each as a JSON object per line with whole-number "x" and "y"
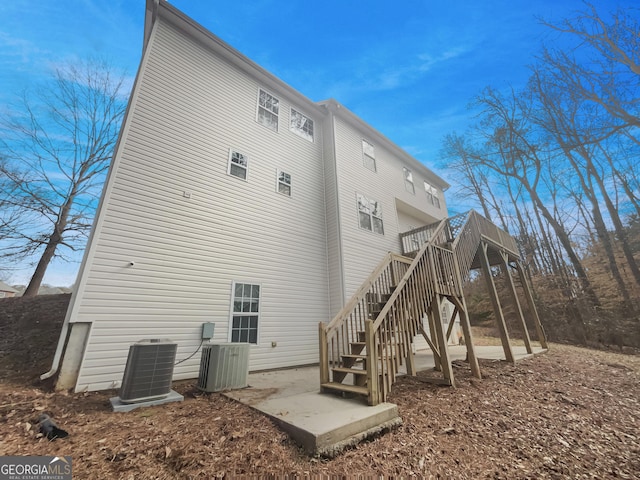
{"x": 187, "y": 251}
{"x": 362, "y": 251}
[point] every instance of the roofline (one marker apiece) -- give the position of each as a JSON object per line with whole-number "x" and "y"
{"x": 161, "y": 9}
{"x": 343, "y": 112}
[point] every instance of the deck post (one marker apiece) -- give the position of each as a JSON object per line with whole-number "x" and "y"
{"x": 324, "y": 354}
{"x": 465, "y": 323}
{"x": 514, "y": 293}
{"x": 468, "y": 338}
{"x": 372, "y": 363}
{"x": 445, "y": 360}
{"x": 528, "y": 295}
{"x": 497, "y": 309}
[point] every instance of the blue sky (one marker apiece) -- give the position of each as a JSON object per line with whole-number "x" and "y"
{"x": 407, "y": 68}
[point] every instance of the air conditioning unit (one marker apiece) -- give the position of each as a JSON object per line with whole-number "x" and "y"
{"x": 224, "y": 366}
{"x": 149, "y": 371}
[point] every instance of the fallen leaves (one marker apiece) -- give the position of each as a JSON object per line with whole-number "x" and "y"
{"x": 570, "y": 413}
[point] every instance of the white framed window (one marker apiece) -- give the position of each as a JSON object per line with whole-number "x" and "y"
{"x": 369, "y": 214}
{"x": 301, "y": 125}
{"x": 408, "y": 181}
{"x": 432, "y": 194}
{"x": 245, "y": 312}
{"x": 268, "y": 110}
{"x": 369, "y": 155}
{"x": 238, "y": 164}
{"x": 284, "y": 183}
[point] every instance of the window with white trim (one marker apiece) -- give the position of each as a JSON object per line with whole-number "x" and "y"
{"x": 245, "y": 312}
{"x": 238, "y": 164}
{"x": 284, "y": 183}
{"x": 268, "y": 110}
{"x": 370, "y": 214}
{"x": 301, "y": 125}
{"x": 432, "y": 194}
{"x": 408, "y": 180}
{"x": 369, "y": 155}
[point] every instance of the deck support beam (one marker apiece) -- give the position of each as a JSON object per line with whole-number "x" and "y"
{"x": 528, "y": 295}
{"x": 445, "y": 360}
{"x": 507, "y": 272}
{"x": 497, "y": 309}
{"x": 468, "y": 338}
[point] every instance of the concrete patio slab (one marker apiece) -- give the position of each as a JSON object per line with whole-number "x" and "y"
{"x": 324, "y": 424}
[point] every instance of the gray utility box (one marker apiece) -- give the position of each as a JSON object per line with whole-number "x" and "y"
{"x": 224, "y": 366}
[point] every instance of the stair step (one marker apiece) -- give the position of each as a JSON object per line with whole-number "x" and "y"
{"x": 354, "y": 356}
{"x": 341, "y": 387}
{"x": 358, "y": 343}
{"x": 355, "y": 371}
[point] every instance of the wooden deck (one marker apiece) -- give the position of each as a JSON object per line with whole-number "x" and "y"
{"x": 365, "y": 344}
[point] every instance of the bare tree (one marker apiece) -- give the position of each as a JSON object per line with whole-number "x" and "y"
{"x": 62, "y": 138}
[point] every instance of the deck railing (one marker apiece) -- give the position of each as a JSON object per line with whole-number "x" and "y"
{"x": 468, "y": 236}
{"x": 349, "y": 324}
{"x": 387, "y": 311}
{"x": 414, "y": 239}
{"x": 391, "y": 334}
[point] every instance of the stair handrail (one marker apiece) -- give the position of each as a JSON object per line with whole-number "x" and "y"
{"x": 349, "y": 322}
{"x": 360, "y": 294}
{"x": 425, "y": 246}
{"x": 389, "y": 336}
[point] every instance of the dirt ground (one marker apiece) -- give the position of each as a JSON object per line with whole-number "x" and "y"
{"x": 572, "y": 413}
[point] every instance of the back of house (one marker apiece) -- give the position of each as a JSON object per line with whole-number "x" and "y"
{"x": 232, "y": 199}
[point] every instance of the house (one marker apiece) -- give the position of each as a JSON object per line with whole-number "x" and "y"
{"x": 233, "y": 199}
{"x": 7, "y": 291}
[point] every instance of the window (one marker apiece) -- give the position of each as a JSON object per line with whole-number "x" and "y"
{"x": 246, "y": 310}
{"x": 370, "y": 214}
{"x": 238, "y": 165}
{"x": 432, "y": 194}
{"x": 369, "y": 155}
{"x": 284, "y": 183}
{"x": 268, "y": 110}
{"x": 408, "y": 181}
{"x": 302, "y": 125}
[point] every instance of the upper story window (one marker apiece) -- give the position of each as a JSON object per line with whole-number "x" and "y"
{"x": 284, "y": 183}
{"x": 408, "y": 181}
{"x": 301, "y": 125}
{"x": 245, "y": 312}
{"x": 369, "y": 155}
{"x": 268, "y": 110}
{"x": 238, "y": 165}
{"x": 432, "y": 194}
{"x": 370, "y": 214}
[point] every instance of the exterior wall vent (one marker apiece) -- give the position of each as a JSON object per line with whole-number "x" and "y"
{"x": 149, "y": 371}
{"x": 224, "y": 366}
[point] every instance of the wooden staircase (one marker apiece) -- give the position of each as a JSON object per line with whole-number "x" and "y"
{"x": 364, "y": 345}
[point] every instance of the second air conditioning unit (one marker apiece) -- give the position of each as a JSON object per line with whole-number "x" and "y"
{"x": 224, "y": 366}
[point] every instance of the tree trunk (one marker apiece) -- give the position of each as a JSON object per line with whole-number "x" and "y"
{"x": 41, "y": 268}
